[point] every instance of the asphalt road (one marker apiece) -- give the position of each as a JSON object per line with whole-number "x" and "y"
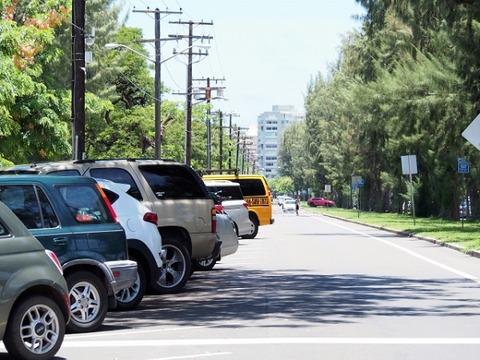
{"x": 308, "y": 287}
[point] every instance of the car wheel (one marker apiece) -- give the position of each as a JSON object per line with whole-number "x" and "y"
{"x": 88, "y": 302}
{"x": 129, "y": 298}
{"x": 176, "y": 269}
{"x": 35, "y": 330}
{"x": 204, "y": 265}
{"x": 254, "y": 221}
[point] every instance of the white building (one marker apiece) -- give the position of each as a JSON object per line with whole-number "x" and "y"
{"x": 271, "y": 125}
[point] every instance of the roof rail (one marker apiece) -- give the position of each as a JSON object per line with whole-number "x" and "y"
{"x": 218, "y": 171}
{"x": 83, "y": 161}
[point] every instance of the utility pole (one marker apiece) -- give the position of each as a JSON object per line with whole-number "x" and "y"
{"x": 230, "y": 136}
{"x": 237, "y": 157}
{"x": 208, "y": 97}
{"x": 158, "y": 79}
{"x": 220, "y": 141}
{"x": 78, "y": 79}
{"x": 188, "y": 116}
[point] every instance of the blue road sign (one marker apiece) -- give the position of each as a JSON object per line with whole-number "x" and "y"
{"x": 463, "y": 166}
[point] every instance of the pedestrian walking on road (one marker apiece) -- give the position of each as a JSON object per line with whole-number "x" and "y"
{"x": 297, "y": 204}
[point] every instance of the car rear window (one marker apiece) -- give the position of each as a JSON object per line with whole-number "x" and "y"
{"x": 226, "y": 192}
{"x": 173, "y": 182}
{"x": 252, "y": 187}
{"x": 67, "y": 172}
{"x": 85, "y": 202}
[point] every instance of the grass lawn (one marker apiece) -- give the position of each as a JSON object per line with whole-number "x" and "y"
{"x": 465, "y": 234}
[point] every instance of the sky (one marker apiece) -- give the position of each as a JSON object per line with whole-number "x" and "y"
{"x": 268, "y": 51}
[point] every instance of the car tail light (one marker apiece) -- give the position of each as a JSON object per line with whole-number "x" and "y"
{"x": 55, "y": 260}
{"x": 245, "y": 204}
{"x": 150, "y": 217}
{"x": 214, "y": 220}
{"x": 109, "y": 205}
{"x": 219, "y": 209}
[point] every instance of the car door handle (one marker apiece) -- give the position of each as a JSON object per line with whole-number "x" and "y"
{"x": 60, "y": 240}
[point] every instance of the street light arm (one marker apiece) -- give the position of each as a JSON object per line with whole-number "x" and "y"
{"x": 111, "y": 46}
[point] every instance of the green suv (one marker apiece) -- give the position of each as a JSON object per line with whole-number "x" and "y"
{"x": 71, "y": 216}
{"x": 34, "y": 306}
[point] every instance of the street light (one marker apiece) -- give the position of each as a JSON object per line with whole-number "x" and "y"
{"x": 158, "y": 94}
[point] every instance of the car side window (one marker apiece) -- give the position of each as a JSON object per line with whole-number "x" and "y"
{"x": 173, "y": 182}
{"x": 3, "y": 230}
{"x": 119, "y": 176}
{"x": 22, "y": 200}
{"x": 49, "y": 218}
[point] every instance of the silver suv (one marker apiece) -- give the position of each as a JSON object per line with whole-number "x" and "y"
{"x": 173, "y": 190}
{"x": 230, "y": 195}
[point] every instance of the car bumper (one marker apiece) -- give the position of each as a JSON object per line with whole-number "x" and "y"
{"x": 124, "y": 274}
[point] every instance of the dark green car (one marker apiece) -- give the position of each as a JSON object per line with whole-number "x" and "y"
{"x": 34, "y": 305}
{"x": 71, "y": 216}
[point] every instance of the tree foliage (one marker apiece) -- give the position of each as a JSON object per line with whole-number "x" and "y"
{"x": 405, "y": 84}
{"x": 30, "y": 113}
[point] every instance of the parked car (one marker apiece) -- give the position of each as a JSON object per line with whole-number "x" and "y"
{"x": 320, "y": 201}
{"x": 34, "y": 306}
{"x": 231, "y": 199}
{"x": 71, "y": 216}
{"x": 282, "y": 198}
{"x": 186, "y": 220}
{"x": 228, "y": 237}
{"x": 256, "y": 193}
{"x": 289, "y": 206}
{"x": 144, "y": 242}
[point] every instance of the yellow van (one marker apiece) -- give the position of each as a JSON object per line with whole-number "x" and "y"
{"x": 256, "y": 193}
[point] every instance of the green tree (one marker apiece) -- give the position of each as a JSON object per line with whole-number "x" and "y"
{"x": 29, "y": 111}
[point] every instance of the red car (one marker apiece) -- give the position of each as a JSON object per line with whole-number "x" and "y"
{"x": 320, "y": 201}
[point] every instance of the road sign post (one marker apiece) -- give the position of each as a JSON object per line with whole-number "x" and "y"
{"x": 409, "y": 167}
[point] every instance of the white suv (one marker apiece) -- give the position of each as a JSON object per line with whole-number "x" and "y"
{"x": 231, "y": 197}
{"x": 144, "y": 242}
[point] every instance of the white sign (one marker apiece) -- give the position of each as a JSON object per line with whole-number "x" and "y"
{"x": 328, "y": 188}
{"x": 472, "y": 132}
{"x": 409, "y": 164}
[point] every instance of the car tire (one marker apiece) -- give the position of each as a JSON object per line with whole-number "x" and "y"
{"x": 35, "y": 330}
{"x": 254, "y": 221}
{"x": 129, "y": 298}
{"x": 88, "y": 302}
{"x": 204, "y": 265}
{"x": 176, "y": 269}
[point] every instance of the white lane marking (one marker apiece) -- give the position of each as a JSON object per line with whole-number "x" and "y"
{"x": 271, "y": 341}
{"x": 418, "y": 256}
{"x": 131, "y": 331}
{"x": 198, "y": 356}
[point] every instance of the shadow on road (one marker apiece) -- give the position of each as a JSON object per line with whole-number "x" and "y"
{"x": 224, "y": 296}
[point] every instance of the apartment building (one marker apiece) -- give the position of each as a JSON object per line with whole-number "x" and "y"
{"x": 271, "y": 125}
